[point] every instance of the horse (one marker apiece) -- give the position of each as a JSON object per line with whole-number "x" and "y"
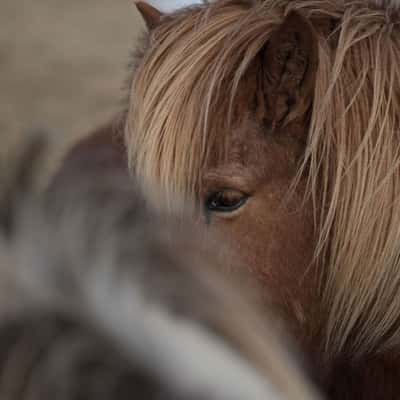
{"x": 278, "y": 122}
{"x": 99, "y": 304}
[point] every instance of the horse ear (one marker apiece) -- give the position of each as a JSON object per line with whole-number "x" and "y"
{"x": 290, "y": 64}
{"x": 151, "y": 15}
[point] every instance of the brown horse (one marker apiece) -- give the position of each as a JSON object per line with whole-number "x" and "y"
{"x": 103, "y": 305}
{"x": 280, "y": 120}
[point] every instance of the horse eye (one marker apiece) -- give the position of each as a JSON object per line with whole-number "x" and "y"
{"x": 225, "y": 200}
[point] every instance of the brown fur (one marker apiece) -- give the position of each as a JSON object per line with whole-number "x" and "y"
{"x": 150, "y": 14}
{"x": 102, "y": 150}
{"x": 225, "y": 89}
{"x": 261, "y": 157}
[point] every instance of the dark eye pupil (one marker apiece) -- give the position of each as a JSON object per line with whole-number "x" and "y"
{"x": 225, "y": 200}
{"x": 219, "y": 200}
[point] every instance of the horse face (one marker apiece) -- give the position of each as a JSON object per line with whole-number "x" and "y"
{"x": 248, "y": 201}
{"x": 244, "y": 180}
{"x": 246, "y": 195}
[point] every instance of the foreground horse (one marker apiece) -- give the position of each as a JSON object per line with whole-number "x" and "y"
{"x": 98, "y": 303}
{"x": 280, "y": 120}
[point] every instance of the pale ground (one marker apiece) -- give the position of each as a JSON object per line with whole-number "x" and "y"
{"x": 62, "y": 66}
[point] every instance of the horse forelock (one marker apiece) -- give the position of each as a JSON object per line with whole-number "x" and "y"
{"x": 192, "y": 71}
{"x": 189, "y": 74}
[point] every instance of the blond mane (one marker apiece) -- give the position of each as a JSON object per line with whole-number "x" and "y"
{"x": 196, "y": 60}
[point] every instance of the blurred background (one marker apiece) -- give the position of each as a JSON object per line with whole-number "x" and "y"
{"x": 62, "y": 67}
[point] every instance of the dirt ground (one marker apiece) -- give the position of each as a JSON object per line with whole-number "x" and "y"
{"x": 62, "y": 66}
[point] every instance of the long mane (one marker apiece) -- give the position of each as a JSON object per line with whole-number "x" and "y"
{"x": 178, "y": 110}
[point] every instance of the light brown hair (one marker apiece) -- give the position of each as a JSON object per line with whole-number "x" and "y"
{"x": 195, "y": 62}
